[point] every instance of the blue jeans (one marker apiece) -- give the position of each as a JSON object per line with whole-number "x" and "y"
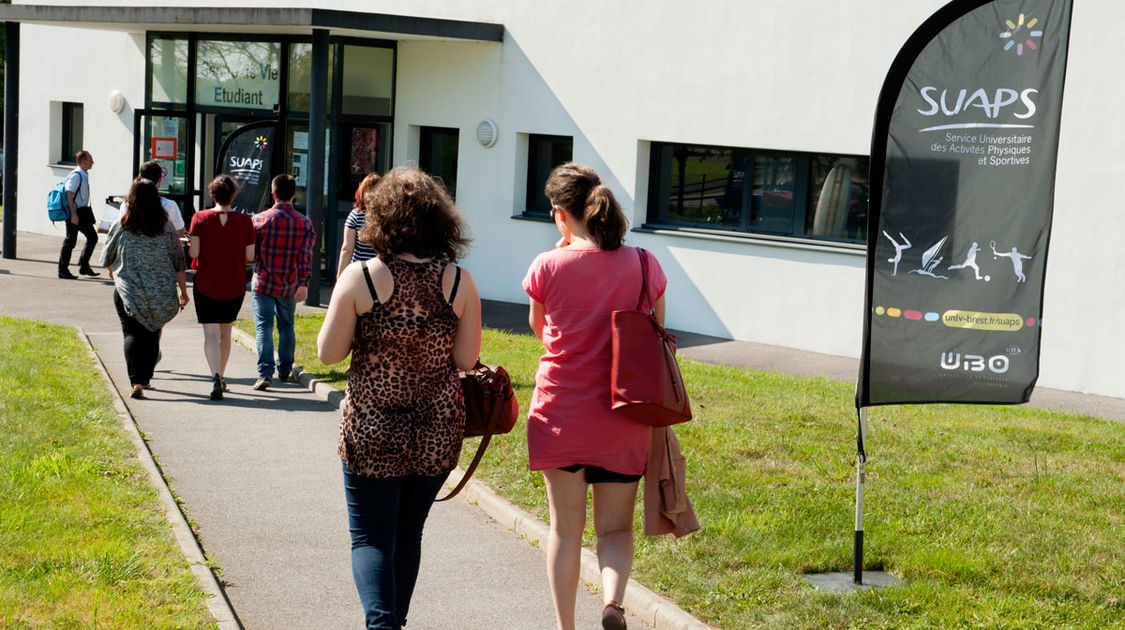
{"x": 266, "y": 307}
{"x": 386, "y": 517}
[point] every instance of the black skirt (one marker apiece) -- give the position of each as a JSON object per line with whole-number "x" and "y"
{"x": 213, "y": 311}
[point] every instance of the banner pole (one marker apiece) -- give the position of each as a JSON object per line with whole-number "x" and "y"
{"x": 860, "y": 478}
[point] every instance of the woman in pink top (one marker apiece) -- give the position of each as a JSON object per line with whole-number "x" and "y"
{"x": 572, "y": 434}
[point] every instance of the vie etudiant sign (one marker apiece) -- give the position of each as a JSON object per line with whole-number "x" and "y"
{"x": 242, "y": 75}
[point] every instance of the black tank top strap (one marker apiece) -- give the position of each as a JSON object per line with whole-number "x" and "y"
{"x": 370, "y": 284}
{"x": 456, "y": 283}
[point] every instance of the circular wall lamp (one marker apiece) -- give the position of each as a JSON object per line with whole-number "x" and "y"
{"x": 116, "y": 102}
{"x": 487, "y": 133}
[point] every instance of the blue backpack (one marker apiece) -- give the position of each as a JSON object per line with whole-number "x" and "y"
{"x": 57, "y": 208}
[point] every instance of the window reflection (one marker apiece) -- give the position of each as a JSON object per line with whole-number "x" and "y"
{"x": 169, "y": 70}
{"x": 300, "y": 75}
{"x": 838, "y": 197}
{"x": 707, "y": 185}
{"x": 771, "y": 196}
{"x": 774, "y": 192}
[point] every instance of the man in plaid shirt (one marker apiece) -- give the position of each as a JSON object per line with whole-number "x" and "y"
{"x": 282, "y": 268}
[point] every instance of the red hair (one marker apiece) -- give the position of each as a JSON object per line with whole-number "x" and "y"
{"x": 367, "y": 183}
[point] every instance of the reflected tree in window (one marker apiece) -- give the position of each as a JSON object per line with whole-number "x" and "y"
{"x": 708, "y": 185}
{"x": 169, "y": 70}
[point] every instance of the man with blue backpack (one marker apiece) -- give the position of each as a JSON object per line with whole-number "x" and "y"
{"x": 81, "y": 218}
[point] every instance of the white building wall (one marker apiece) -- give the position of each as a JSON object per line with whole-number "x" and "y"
{"x": 77, "y": 66}
{"x": 798, "y": 75}
{"x": 1083, "y": 334}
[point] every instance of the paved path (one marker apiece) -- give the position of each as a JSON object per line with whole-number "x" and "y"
{"x": 259, "y": 476}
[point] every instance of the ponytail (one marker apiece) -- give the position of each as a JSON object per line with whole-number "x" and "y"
{"x": 604, "y": 219}
{"x": 579, "y": 190}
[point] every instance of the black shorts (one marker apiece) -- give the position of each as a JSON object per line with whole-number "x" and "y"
{"x": 596, "y": 474}
{"x": 209, "y": 310}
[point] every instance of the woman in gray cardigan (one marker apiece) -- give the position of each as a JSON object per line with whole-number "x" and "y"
{"x": 146, "y": 262}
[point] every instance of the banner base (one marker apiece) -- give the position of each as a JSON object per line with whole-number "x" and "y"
{"x": 844, "y": 581}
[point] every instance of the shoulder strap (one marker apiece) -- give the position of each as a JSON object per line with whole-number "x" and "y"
{"x": 456, "y": 283}
{"x": 481, "y": 448}
{"x": 82, "y": 179}
{"x": 370, "y": 284}
{"x": 469, "y": 471}
{"x": 644, "y": 280}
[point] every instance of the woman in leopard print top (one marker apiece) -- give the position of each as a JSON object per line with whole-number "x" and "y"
{"x": 410, "y": 318}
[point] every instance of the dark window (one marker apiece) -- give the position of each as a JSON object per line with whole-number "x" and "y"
{"x": 751, "y": 190}
{"x": 71, "y": 132}
{"x": 438, "y": 155}
{"x": 544, "y": 153}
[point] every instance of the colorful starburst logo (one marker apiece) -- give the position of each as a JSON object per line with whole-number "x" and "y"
{"x": 261, "y": 142}
{"x": 1021, "y": 29}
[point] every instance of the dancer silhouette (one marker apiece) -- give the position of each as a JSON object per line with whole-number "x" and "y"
{"x": 899, "y": 248}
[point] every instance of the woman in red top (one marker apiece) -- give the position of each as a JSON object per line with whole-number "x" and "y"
{"x": 572, "y": 434}
{"x": 222, "y": 242}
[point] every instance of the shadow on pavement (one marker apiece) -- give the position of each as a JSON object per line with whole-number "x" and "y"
{"x": 174, "y": 386}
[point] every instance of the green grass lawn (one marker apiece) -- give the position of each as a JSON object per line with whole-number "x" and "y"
{"x": 83, "y": 540}
{"x": 996, "y": 517}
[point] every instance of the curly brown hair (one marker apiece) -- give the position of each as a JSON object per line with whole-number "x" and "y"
{"x": 409, "y": 212}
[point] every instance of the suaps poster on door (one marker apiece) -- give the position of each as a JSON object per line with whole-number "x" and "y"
{"x": 247, "y": 156}
{"x": 963, "y": 168}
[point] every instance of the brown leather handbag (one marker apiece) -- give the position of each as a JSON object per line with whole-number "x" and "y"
{"x": 491, "y": 408}
{"x": 645, "y": 380}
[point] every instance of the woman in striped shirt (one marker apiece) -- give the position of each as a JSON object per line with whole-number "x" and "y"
{"x": 354, "y": 249}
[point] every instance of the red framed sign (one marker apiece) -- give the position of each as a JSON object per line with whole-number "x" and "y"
{"x": 164, "y": 148}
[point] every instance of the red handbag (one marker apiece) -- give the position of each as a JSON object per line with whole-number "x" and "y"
{"x": 491, "y": 409}
{"x": 645, "y": 379}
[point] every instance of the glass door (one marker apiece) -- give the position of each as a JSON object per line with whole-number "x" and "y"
{"x": 163, "y": 137}
{"x": 364, "y": 148}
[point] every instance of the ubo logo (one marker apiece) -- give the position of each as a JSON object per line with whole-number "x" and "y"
{"x": 998, "y": 364}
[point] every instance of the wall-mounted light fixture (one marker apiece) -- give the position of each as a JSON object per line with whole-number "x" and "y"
{"x": 116, "y": 102}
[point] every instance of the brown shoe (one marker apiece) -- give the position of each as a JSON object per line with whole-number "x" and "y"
{"x": 613, "y": 617}
{"x": 262, "y": 383}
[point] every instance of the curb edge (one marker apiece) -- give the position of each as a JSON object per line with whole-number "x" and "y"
{"x": 217, "y": 603}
